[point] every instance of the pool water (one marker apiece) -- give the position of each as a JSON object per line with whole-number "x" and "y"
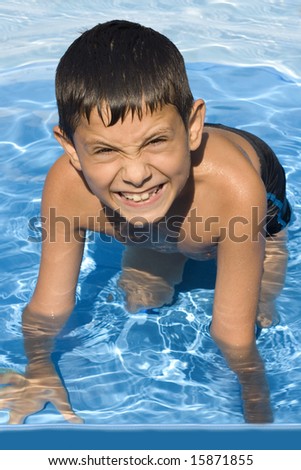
{"x": 148, "y": 368}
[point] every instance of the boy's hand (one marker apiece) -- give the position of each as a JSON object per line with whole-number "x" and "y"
{"x": 144, "y": 290}
{"x": 257, "y": 407}
{"x": 27, "y": 394}
{"x": 148, "y": 277}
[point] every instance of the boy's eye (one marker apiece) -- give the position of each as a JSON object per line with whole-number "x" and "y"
{"x": 103, "y": 151}
{"x": 158, "y": 140}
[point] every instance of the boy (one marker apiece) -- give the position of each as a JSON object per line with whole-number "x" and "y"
{"x": 139, "y": 164}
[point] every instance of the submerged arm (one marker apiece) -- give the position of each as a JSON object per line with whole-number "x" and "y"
{"x": 48, "y": 310}
{"x": 249, "y": 368}
{"x": 239, "y": 273}
{"x": 42, "y": 383}
{"x": 235, "y": 336}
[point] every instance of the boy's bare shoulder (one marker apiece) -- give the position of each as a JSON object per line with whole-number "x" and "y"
{"x": 228, "y": 175}
{"x": 66, "y": 190}
{"x": 231, "y": 152}
{"x": 65, "y": 184}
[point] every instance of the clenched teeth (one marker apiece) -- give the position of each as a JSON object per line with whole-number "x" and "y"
{"x": 140, "y": 197}
{"x": 137, "y": 197}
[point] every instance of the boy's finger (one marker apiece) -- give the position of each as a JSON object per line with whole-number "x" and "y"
{"x": 4, "y": 393}
{"x": 69, "y": 415}
{"x": 66, "y": 411}
{"x": 4, "y": 402}
{"x": 73, "y": 418}
{"x": 132, "y": 307}
{"x": 16, "y": 418}
{"x": 11, "y": 378}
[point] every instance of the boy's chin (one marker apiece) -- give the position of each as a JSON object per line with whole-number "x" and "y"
{"x": 137, "y": 218}
{"x": 142, "y": 220}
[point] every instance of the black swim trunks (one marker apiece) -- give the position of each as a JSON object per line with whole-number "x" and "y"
{"x": 273, "y": 177}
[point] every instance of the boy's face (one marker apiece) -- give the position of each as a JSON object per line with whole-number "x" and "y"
{"x": 137, "y": 167}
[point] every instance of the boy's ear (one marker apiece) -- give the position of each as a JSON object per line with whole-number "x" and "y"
{"x": 68, "y": 147}
{"x": 196, "y": 124}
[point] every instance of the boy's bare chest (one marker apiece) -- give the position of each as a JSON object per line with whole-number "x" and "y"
{"x": 189, "y": 235}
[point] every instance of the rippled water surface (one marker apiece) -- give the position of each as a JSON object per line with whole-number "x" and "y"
{"x": 243, "y": 59}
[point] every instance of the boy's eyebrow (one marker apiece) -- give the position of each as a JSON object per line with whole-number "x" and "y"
{"x": 155, "y": 133}
{"x": 100, "y": 143}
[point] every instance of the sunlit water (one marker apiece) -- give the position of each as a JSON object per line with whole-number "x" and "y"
{"x": 148, "y": 369}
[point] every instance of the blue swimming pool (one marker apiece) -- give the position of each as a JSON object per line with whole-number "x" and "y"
{"x": 123, "y": 369}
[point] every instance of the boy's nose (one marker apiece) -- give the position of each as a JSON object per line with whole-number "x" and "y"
{"x": 136, "y": 173}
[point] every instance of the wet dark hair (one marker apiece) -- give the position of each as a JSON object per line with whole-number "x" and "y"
{"x": 122, "y": 66}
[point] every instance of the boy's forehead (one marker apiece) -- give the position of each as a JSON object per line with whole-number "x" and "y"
{"x": 166, "y": 118}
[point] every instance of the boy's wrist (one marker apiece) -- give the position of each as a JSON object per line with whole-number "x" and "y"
{"x": 39, "y": 367}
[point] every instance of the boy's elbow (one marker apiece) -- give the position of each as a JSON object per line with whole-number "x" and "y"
{"x": 49, "y": 310}
{"x": 234, "y": 338}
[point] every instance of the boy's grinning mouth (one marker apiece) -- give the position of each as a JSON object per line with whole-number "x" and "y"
{"x": 145, "y": 196}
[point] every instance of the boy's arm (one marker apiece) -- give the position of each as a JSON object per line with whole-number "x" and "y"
{"x": 239, "y": 272}
{"x": 52, "y": 302}
{"x": 62, "y": 242}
